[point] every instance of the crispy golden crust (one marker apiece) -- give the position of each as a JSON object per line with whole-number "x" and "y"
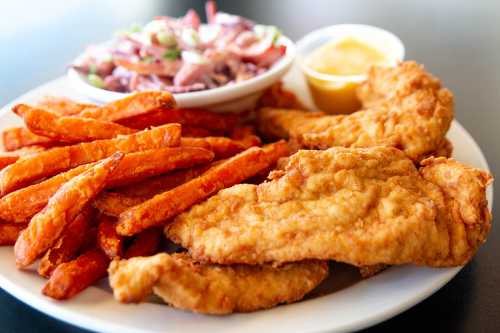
{"x": 213, "y": 289}
{"x": 360, "y": 206}
{"x": 45, "y": 228}
{"x": 404, "y": 107}
{"x": 55, "y": 160}
{"x": 157, "y": 210}
{"x": 69, "y": 129}
{"x": 464, "y": 192}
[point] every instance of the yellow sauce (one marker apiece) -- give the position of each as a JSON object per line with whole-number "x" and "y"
{"x": 343, "y": 58}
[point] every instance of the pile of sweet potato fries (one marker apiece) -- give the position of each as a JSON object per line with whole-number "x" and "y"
{"x": 83, "y": 184}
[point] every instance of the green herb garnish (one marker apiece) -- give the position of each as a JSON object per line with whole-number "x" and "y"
{"x": 172, "y": 54}
{"x": 96, "y": 81}
{"x": 148, "y": 59}
{"x": 92, "y": 68}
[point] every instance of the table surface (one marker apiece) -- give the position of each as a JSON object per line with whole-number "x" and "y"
{"x": 457, "y": 41}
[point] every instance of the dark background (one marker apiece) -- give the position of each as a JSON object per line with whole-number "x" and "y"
{"x": 459, "y": 41}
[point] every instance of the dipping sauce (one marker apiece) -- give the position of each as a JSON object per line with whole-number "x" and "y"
{"x": 345, "y": 63}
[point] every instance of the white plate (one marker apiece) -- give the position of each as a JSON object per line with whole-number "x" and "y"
{"x": 355, "y": 304}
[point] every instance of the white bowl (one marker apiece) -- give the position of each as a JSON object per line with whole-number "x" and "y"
{"x": 237, "y": 97}
{"x": 379, "y": 38}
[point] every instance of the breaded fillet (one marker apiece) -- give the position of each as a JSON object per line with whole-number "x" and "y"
{"x": 362, "y": 206}
{"x": 213, "y": 289}
{"x": 403, "y": 107}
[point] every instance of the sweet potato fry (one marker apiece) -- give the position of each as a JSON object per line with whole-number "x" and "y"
{"x": 69, "y": 129}
{"x": 221, "y": 146}
{"x": 8, "y": 158}
{"x": 55, "y": 160}
{"x": 70, "y": 278}
{"x": 246, "y": 136}
{"x": 113, "y": 203}
{"x": 278, "y": 97}
{"x": 10, "y": 232}
{"x": 164, "y": 206}
{"x": 196, "y": 132}
{"x": 45, "y": 228}
{"x": 110, "y": 243}
{"x": 18, "y": 137}
{"x": 145, "y": 164}
{"x": 145, "y": 244}
{"x": 20, "y": 205}
{"x": 155, "y": 185}
{"x": 186, "y": 117}
{"x": 89, "y": 240}
{"x": 137, "y": 104}
{"x": 62, "y": 105}
{"x": 67, "y": 246}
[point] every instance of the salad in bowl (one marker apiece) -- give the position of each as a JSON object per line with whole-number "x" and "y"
{"x": 185, "y": 56}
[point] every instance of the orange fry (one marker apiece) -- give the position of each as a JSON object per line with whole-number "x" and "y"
{"x": 45, "y": 228}
{"x": 155, "y": 185}
{"x": 113, "y": 203}
{"x": 89, "y": 241}
{"x": 164, "y": 206}
{"x": 145, "y": 164}
{"x": 69, "y": 129}
{"x": 55, "y": 160}
{"x": 137, "y": 104}
{"x": 18, "y": 137}
{"x": 20, "y": 205}
{"x": 110, "y": 243}
{"x": 8, "y": 158}
{"x": 70, "y": 278}
{"x": 246, "y": 135}
{"x": 145, "y": 244}
{"x": 221, "y": 146}
{"x": 186, "y": 117}
{"x": 62, "y": 105}
{"x": 196, "y": 132}
{"x": 10, "y": 232}
{"x": 67, "y": 245}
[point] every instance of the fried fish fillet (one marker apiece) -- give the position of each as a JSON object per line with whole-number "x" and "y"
{"x": 403, "y": 107}
{"x": 362, "y": 206}
{"x": 213, "y": 289}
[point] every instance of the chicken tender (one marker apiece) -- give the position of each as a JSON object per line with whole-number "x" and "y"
{"x": 213, "y": 289}
{"x": 403, "y": 107}
{"x": 361, "y": 206}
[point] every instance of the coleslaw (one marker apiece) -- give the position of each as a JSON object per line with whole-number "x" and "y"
{"x": 182, "y": 54}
